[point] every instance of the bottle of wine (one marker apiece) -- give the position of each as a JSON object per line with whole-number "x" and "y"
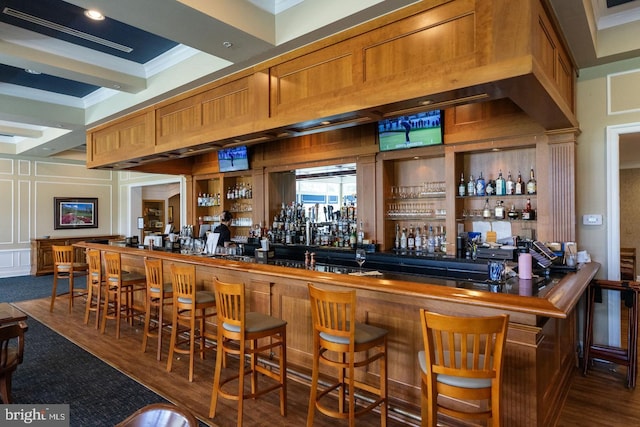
{"x": 509, "y": 185}
{"x": 462, "y": 187}
{"x": 500, "y": 185}
{"x": 531, "y": 184}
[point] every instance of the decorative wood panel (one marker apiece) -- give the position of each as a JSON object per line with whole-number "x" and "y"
{"x": 561, "y": 179}
{"x": 125, "y": 139}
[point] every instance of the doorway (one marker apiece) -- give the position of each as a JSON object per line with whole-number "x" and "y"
{"x": 617, "y": 138}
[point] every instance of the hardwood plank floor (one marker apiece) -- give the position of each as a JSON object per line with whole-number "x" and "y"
{"x": 125, "y": 355}
{"x": 598, "y": 399}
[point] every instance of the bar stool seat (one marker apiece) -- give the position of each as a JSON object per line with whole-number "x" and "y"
{"x": 159, "y": 295}
{"x": 66, "y": 267}
{"x": 120, "y": 285}
{"x": 461, "y": 367}
{"x": 189, "y": 315}
{"x": 95, "y": 286}
{"x": 264, "y": 334}
{"x": 337, "y": 339}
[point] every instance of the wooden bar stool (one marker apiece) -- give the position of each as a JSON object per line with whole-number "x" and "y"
{"x": 461, "y": 362}
{"x": 624, "y": 356}
{"x": 119, "y": 285}
{"x": 159, "y": 294}
{"x": 95, "y": 286}
{"x": 337, "y": 338}
{"x": 189, "y": 314}
{"x": 236, "y": 327}
{"x": 66, "y": 267}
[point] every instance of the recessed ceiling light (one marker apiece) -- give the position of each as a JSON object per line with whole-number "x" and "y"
{"x": 30, "y": 71}
{"x": 326, "y": 122}
{"x": 94, "y": 14}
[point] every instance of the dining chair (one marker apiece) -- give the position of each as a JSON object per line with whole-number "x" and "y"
{"x": 11, "y": 355}
{"x": 67, "y": 268}
{"x": 247, "y": 333}
{"x": 343, "y": 343}
{"x": 461, "y": 367}
{"x": 160, "y": 415}
{"x": 190, "y": 315}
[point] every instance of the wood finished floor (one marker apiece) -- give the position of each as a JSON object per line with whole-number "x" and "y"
{"x": 598, "y": 399}
{"x": 126, "y": 355}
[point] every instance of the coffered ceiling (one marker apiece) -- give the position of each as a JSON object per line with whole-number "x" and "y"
{"x": 61, "y": 72}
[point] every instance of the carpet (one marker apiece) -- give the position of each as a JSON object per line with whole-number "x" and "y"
{"x": 57, "y": 371}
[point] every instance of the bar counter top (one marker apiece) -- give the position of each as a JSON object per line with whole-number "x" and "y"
{"x": 554, "y": 296}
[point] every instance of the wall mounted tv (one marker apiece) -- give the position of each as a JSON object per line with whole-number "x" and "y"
{"x": 233, "y": 159}
{"x": 415, "y": 130}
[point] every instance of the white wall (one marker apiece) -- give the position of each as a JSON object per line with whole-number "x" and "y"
{"x": 27, "y": 189}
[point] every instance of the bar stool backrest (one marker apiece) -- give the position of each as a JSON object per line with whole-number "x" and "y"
{"x": 333, "y": 314}
{"x": 230, "y": 303}
{"x": 95, "y": 267}
{"x": 184, "y": 286}
{"x": 63, "y": 258}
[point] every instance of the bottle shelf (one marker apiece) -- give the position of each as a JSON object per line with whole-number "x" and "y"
{"x": 416, "y": 216}
{"x": 493, "y": 196}
{"x": 479, "y": 218}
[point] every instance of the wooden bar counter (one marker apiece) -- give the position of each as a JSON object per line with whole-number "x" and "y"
{"x": 541, "y": 343}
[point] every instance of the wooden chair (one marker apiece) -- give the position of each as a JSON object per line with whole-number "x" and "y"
{"x": 461, "y": 362}
{"x": 628, "y": 264}
{"x": 159, "y": 294}
{"x": 95, "y": 286}
{"x": 236, "y": 327}
{"x": 337, "y": 339}
{"x": 65, "y": 267}
{"x": 120, "y": 285}
{"x": 11, "y": 355}
{"x": 189, "y": 314}
{"x": 160, "y": 415}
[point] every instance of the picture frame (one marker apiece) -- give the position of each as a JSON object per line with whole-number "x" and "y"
{"x": 75, "y": 212}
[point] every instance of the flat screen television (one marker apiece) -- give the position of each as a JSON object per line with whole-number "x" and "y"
{"x": 414, "y": 130}
{"x": 233, "y": 159}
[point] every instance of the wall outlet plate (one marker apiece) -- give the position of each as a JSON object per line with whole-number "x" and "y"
{"x": 592, "y": 219}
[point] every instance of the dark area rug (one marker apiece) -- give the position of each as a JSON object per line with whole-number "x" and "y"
{"x": 56, "y": 371}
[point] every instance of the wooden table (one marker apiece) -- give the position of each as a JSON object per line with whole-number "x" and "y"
{"x": 9, "y": 314}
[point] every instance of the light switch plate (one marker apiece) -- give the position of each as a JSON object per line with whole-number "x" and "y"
{"x": 592, "y": 219}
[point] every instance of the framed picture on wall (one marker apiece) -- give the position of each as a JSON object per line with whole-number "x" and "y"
{"x": 78, "y": 212}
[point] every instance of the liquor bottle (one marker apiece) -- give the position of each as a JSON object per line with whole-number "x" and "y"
{"x": 499, "y": 210}
{"x": 443, "y": 240}
{"x": 509, "y": 185}
{"x": 500, "y": 185}
{"x": 480, "y": 186}
{"x": 513, "y": 213}
{"x": 527, "y": 212}
{"x": 360, "y": 239}
{"x": 486, "y": 212}
{"x": 403, "y": 240}
{"x": 462, "y": 187}
{"x": 531, "y": 184}
{"x": 411, "y": 240}
{"x": 491, "y": 187}
{"x": 519, "y": 184}
{"x": 353, "y": 238}
{"x": 471, "y": 186}
{"x": 397, "y": 242}
{"x": 431, "y": 241}
{"x": 418, "y": 240}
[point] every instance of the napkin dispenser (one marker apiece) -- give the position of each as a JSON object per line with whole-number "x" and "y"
{"x": 263, "y": 256}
